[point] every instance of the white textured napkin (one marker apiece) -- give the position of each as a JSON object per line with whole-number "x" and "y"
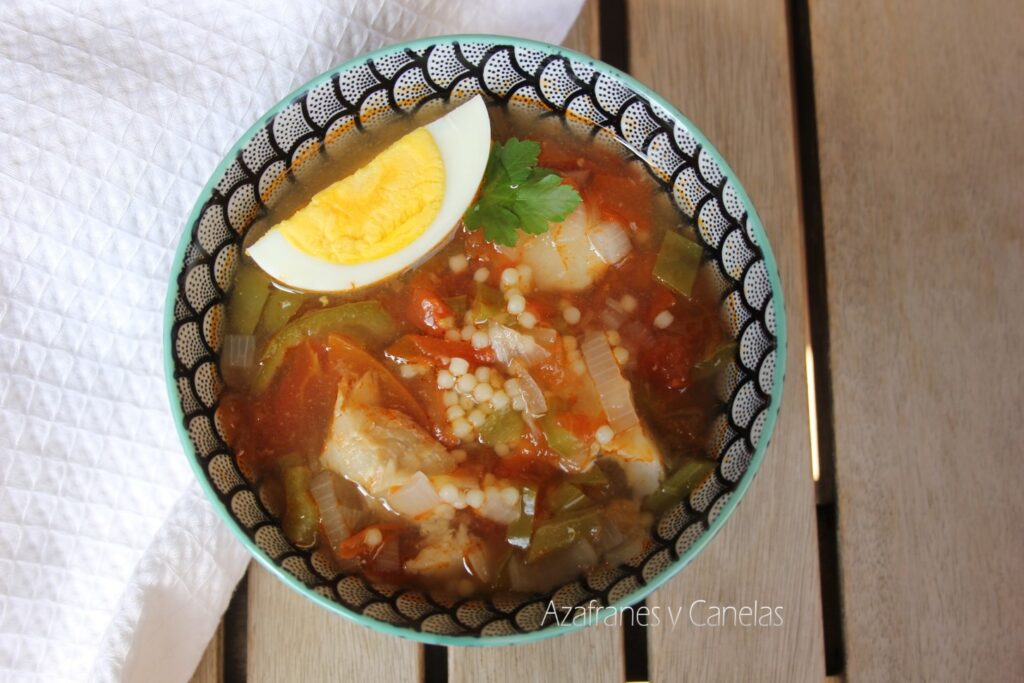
{"x": 112, "y": 117}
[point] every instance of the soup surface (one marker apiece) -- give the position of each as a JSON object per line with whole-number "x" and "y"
{"x": 498, "y": 418}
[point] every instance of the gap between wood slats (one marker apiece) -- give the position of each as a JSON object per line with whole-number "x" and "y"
{"x": 818, "y": 358}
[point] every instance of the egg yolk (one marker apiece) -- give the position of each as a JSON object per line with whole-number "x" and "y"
{"x": 378, "y": 210}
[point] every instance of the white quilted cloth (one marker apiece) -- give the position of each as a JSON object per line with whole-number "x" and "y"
{"x": 112, "y": 117}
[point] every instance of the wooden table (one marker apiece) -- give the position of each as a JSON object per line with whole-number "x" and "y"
{"x": 883, "y": 145}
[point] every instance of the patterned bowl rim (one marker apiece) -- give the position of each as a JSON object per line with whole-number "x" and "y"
{"x": 597, "y": 615}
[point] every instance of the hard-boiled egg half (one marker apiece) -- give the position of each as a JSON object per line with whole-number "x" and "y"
{"x": 390, "y": 214}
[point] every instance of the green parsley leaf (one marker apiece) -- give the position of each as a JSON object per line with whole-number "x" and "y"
{"x": 518, "y": 194}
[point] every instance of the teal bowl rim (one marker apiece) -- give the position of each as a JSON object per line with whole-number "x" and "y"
{"x": 753, "y": 220}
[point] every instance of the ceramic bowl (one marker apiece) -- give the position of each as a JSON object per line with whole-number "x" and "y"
{"x": 367, "y": 93}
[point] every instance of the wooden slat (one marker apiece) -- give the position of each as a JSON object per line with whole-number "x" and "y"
{"x": 726, "y": 64}
{"x": 922, "y": 145}
{"x": 211, "y": 666}
{"x": 291, "y": 639}
{"x": 594, "y": 654}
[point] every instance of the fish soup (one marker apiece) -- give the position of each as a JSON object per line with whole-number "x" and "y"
{"x": 514, "y": 406}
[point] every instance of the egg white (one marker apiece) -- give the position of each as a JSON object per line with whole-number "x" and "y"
{"x": 463, "y": 138}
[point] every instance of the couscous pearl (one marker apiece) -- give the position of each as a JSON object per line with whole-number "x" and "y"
{"x": 502, "y": 450}
{"x": 450, "y": 398}
{"x": 483, "y": 392}
{"x": 604, "y": 434}
{"x": 480, "y": 339}
{"x": 448, "y": 493}
{"x": 483, "y": 373}
{"x": 528, "y": 320}
{"x": 488, "y": 479}
{"x": 510, "y": 495}
{"x": 499, "y": 400}
{"x": 461, "y": 428}
{"x": 459, "y": 504}
{"x": 518, "y": 404}
{"x": 663, "y": 320}
{"x": 458, "y": 366}
{"x": 458, "y": 263}
{"x": 628, "y": 303}
{"x": 621, "y": 355}
{"x": 579, "y": 367}
{"x": 572, "y": 315}
{"x": 570, "y": 343}
{"x": 475, "y": 498}
{"x": 481, "y": 274}
{"x": 512, "y": 387}
{"x": 452, "y": 335}
{"x": 496, "y": 381}
{"x": 445, "y": 380}
{"x": 613, "y": 337}
{"x": 594, "y": 449}
{"x": 407, "y": 371}
{"x": 467, "y": 332}
{"x": 509, "y": 277}
{"x": 373, "y": 537}
{"x": 516, "y": 304}
{"x": 466, "y": 384}
{"x": 454, "y": 412}
{"x": 476, "y": 418}
{"x": 467, "y": 403}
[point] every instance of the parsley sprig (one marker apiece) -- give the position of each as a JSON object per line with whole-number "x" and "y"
{"x": 518, "y": 194}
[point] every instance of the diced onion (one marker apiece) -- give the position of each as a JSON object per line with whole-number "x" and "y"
{"x": 321, "y": 486}
{"x": 612, "y": 387}
{"x": 533, "y": 396}
{"x": 477, "y": 561}
{"x": 610, "y": 242}
{"x": 510, "y": 345}
{"x": 239, "y": 351}
{"x": 388, "y": 559}
{"x": 415, "y": 497}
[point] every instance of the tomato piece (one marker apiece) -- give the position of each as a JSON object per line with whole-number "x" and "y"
{"x": 417, "y": 348}
{"x": 580, "y": 424}
{"x": 551, "y": 371}
{"x": 666, "y": 361}
{"x": 426, "y": 309}
{"x": 346, "y": 358}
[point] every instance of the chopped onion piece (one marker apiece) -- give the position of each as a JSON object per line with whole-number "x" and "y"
{"x": 239, "y": 350}
{"x": 476, "y": 559}
{"x": 388, "y": 559}
{"x": 415, "y": 497}
{"x": 321, "y": 486}
{"x": 509, "y": 345}
{"x": 612, "y": 387}
{"x": 533, "y": 396}
{"x": 610, "y": 242}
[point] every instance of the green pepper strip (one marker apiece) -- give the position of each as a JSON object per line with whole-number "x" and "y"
{"x": 501, "y": 427}
{"x": 679, "y": 485}
{"x": 301, "y": 516}
{"x": 565, "y": 498}
{"x": 365, "y": 321}
{"x": 277, "y": 311}
{"x": 678, "y": 263}
{"x": 562, "y": 531}
{"x": 248, "y": 296}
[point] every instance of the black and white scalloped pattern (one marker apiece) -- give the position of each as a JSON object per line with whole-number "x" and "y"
{"x": 370, "y": 94}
